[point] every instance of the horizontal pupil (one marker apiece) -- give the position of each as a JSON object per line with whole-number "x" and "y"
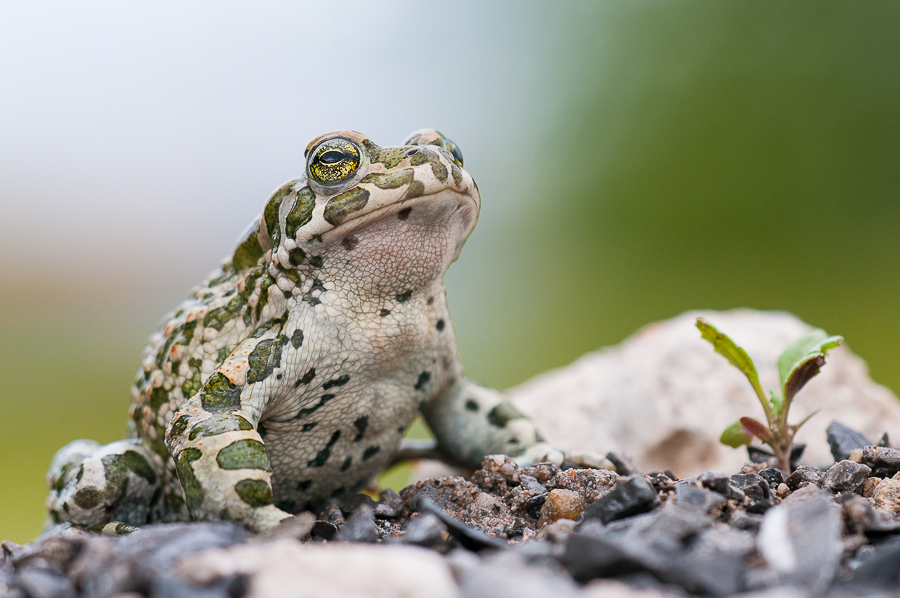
{"x": 332, "y": 157}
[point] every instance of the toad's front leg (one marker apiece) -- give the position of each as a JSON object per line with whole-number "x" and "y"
{"x": 219, "y": 454}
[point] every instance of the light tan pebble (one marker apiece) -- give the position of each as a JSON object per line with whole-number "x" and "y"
{"x": 782, "y": 490}
{"x": 856, "y": 455}
{"x": 868, "y": 487}
{"x": 560, "y": 504}
{"x": 887, "y": 495}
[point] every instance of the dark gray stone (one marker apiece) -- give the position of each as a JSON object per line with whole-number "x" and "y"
{"x": 803, "y": 476}
{"x": 801, "y": 540}
{"x": 360, "y": 527}
{"x": 689, "y": 495}
{"x": 773, "y": 476}
{"x": 426, "y": 530}
{"x": 40, "y": 583}
{"x": 721, "y": 483}
{"x": 632, "y": 496}
{"x": 533, "y": 505}
{"x": 623, "y": 465}
{"x": 883, "y": 460}
{"x": 324, "y": 530}
{"x": 845, "y": 476}
{"x": 673, "y": 545}
{"x": 531, "y": 485}
{"x": 755, "y": 488}
{"x": 468, "y": 537}
{"x": 842, "y": 440}
{"x": 135, "y": 563}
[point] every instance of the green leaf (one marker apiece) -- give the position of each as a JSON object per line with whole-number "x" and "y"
{"x": 797, "y": 351}
{"x": 735, "y": 435}
{"x": 776, "y": 401}
{"x": 736, "y": 356}
{"x": 803, "y": 359}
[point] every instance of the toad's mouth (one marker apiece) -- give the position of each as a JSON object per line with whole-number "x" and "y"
{"x": 446, "y": 206}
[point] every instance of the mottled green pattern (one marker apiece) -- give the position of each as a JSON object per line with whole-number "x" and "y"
{"x": 220, "y": 394}
{"x": 255, "y": 493}
{"x": 390, "y": 180}
{"x": 300, "y": 213}
{"x": 263, "y": 360}
{"x": 437, "y": 167}
{"x": 244, "y": 454}
{"x": 193, "y": 491}
{"x": 217, "y": 424}
{"x": 341, "y": 206}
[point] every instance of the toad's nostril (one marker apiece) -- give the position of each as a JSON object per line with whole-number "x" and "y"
{"x": 411, "y": 152}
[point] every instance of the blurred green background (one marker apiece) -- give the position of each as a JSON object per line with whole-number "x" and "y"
{"x": 636, "y": 159}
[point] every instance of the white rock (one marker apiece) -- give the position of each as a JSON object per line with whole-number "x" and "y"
{"x": 662, "y": 397}
{"x": 286, "y": 569}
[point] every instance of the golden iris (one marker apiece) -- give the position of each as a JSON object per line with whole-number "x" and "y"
{"x": 334, "y": 160}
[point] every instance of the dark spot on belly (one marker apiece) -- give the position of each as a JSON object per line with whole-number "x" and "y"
{"x": 297, "y": 339}
{"x": 287, "y": 505}
{"x": 296, "y": 256}
{"x": 440, "y": 325}
{"x": 279, "y": 376}
{"x": 347, "y": 463}
{"x": 307, "y": 377}
{"x": 370, "y": 452}
{"x": 317, "y": 260}
{"x": 304, "y": 485}
{"x": 339, "y": 381}
{"x": 430, "y": 301}
{"x": 424, "y": 377}
{"x": 404, "y": 213}
{"x": 360, "y": 424}
{"x": 403, "y": 297}
{"x": 384, "y": 312}
{"x": 325, "y": 453}
{"x": 349, "y": 242}
{"x": 471, "y": 405}
{"x": 309, "y": 426}
{"x": 312, "y": 409}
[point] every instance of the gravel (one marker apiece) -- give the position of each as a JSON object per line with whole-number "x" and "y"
{"x": 510, "y": 531}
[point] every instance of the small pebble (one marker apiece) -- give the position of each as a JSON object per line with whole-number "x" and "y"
{"x": 846, "y": 476}
{"x": 560, "y": 504}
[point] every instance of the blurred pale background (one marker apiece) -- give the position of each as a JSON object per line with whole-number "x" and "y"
{"x": 636, "y": 159}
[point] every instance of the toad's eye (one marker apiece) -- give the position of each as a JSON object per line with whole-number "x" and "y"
{"x": 334, "y": 160}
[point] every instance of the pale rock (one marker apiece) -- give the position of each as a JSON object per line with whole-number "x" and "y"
{"x": 663, "y": 396}
{"x": 286, "y": 568}
{"x": 887, "y": 495}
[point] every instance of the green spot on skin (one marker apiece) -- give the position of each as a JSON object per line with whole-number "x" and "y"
{"x": 255, "y": 493}
{"x": 220, "y": 394}
{"x": 429, "y": 157}
{"x": 342, "y": 206}
{"x": 300, "y": 214}
{"x": 192, "y": 383}
{"x": 117, "y": 466}
{"x": 270, "y": 213}
{"x": 244, "y": 454}
{"x": 267, "y": 282}
{"x": 502, "y": 414}
{"x": 159, "y": 396}
{"x": 390, "y": 156}
{"x": 193, "y": 491}
{"x": 179, "y": 426}
{"x": 187, "y": 333}
{"x": 390, "y": 180}
{"x": 266, "y": 356}
{"x": 248, "y": 252}
{"x": 457, "y": 174}
{"x": 219, "y": 424}
{"x": 87, "y": 498}
{"x": 296, "y": 256}
{"x": 218, "y": 317}
{"x": 416, "y": 189}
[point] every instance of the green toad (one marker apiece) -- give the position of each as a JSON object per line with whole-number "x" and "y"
{"x": 292, "y": 373}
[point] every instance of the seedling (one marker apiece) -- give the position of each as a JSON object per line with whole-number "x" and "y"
{"x": 799, "y": 363}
